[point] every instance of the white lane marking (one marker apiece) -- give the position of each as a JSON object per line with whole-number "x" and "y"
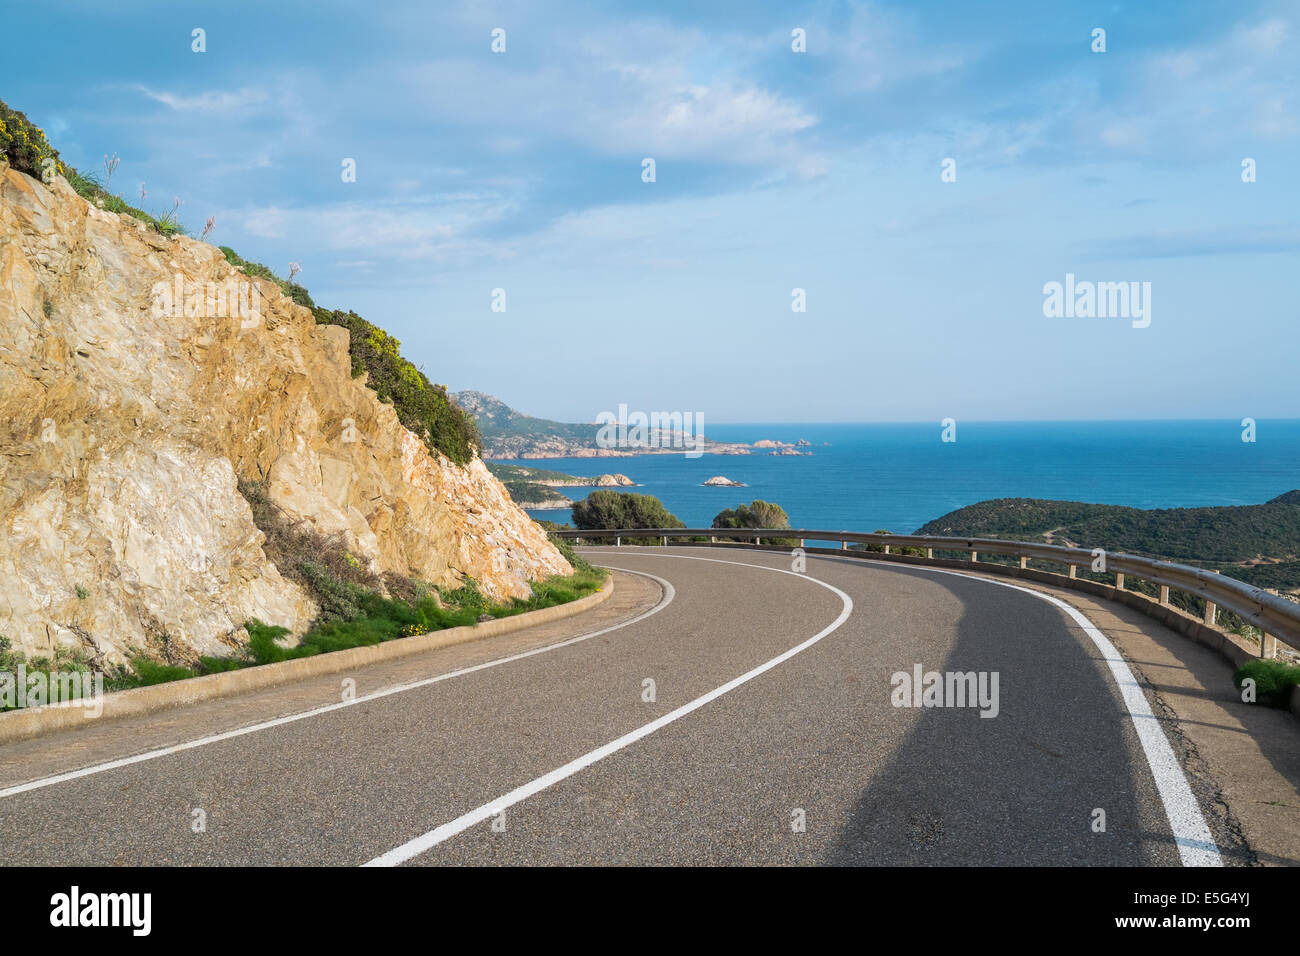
{"x": 1196, "y": 846}
{"x": 427, "y": 841}
{"x": 669, "y": 594}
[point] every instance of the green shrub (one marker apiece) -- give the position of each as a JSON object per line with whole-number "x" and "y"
{"x": 756, "y": 514}
{"x": 27, "y": 149}
{"x": 24, "y": 144}
{"x": 256, "y": 270}
{"x": 421, "y": 406}
{"x": 915, "y": 552}
{"x": 147, "y": 672}
{"x": 623, "y": 509}
{"x": 1273, "y": 680}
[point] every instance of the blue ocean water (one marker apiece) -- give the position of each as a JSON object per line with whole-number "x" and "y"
{"x": 899, "y": 476}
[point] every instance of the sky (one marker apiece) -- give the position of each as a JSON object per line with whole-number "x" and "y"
{"x": 774, "y": 170}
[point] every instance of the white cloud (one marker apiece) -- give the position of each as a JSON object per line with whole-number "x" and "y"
{"x": 211, "y": 101}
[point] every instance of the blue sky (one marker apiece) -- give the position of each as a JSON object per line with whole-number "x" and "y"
{"x": 774, "y": 170}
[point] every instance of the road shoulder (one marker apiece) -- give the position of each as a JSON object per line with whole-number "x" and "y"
{"x": 1242, "y": 760}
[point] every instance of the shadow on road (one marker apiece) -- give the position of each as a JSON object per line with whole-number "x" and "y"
{"x": 1021, "y": 787}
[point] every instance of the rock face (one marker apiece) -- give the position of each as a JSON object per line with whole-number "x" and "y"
{"x": 722, "y": 481}
{"x": 124, "y": 426}
{"x": 613, "y": 481}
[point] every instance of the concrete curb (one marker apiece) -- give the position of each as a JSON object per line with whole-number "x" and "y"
{"x": 32, "y": 722}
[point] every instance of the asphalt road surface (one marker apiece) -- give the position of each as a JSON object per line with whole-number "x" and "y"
{"x": 721, "y": 708}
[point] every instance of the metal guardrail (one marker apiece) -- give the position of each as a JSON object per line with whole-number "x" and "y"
{"x": 1275, "y": 616}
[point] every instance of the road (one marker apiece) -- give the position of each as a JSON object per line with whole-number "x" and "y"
{"x": 721, "y": 708}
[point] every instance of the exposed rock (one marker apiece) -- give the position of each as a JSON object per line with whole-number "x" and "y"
{"x": 123, "y": 431}
{"x": 721, "y": 481}
{"x": 549, "y": 504}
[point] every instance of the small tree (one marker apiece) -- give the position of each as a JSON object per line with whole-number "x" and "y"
{"x": 621, "y": 509}
{"x": 757, "y": 514}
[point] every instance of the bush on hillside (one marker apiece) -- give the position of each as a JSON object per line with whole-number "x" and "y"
{"x": 25, "y": 146}
{"x": 258, "y": 271}
{"x": 421, "y": 406}
{"x": 1273, "y": 680}
{"x": 623, "y": 509}
{"x": 24, "y": 143}
{"x": 756, "y": 514}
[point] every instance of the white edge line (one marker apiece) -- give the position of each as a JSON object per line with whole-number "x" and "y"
{"x": 669, "y": 594}
{"x": 1196, "y": 846}
{"x": 427, "y": 841}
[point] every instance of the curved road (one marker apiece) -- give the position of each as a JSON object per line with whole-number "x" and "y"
{"x": 719, "y": 709}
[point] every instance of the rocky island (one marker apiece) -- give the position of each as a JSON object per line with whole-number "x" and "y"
{"x": 532, "y": 488}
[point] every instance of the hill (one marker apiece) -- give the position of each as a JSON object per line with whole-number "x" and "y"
{"x": 508, "y": 433}
{"x": 1259, "y": 544}
{"x": 187, "y": 443}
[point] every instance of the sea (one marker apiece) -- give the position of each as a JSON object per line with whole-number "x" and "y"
{"x": 896, "y": 477}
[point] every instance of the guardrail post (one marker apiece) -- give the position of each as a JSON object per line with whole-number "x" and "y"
{"x": 886, "y": 549}
{"x": 713, "y": 539}
{"x": 974, "y": 556}
{"x": 1024, "y": 562}
{"x": 1267, "y": 646}
{"x": 1210, "y": 609}
{"x": 665, "y": 541}
{"x": 618, "y": 542}
{"x": 929, "y": 553}
{"x": 844, "y": 546}
{"x": 1164, "y": 594}
{"x": 1119, "y": 580}
{"x": 1073, "y": 570}
{"x": 801, "y": 542}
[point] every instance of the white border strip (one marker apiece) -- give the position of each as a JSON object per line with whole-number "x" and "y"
{"x": 427, "y": 841}
{"x": 1196, "y": 846}
{"x": 668, "y": 595}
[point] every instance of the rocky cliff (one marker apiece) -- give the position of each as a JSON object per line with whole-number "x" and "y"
{"x": 140, "y": 378}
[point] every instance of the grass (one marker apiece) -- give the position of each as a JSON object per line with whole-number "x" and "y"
{"x": 358, "y": 608}
{"x": 89, "y": 188}
{"x": 256, "y": 270}
{"x": 64, "y": 660}
{"x": 355, "y": 610}
{"x": 1273, "y": 680}
{"x": 379, "y": 619}
{"x": 422, "y": 406}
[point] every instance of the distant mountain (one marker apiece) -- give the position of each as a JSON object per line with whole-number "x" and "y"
{"x": 511, "y": 434}
{"x": 1259, "y": 544}
{"x": 508, "y": 433}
